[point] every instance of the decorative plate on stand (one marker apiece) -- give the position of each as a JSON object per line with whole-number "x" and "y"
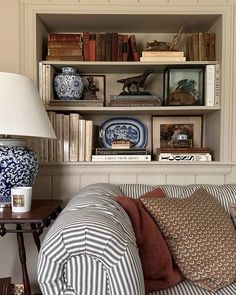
{"x": 123, "y": 128}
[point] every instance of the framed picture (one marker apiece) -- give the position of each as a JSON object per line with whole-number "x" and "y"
{"x": 184, "y": 86}
{"x": 176, "y": 131}
{"x": 94, "y": 87}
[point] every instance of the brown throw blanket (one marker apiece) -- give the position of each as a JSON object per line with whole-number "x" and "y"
{"x": 159, "y": 270}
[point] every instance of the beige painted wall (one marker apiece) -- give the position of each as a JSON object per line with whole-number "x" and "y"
{"x": 10, "y": 61}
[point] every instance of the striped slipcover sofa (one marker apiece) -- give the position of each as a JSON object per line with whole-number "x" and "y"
{"x": 91, "y": 247}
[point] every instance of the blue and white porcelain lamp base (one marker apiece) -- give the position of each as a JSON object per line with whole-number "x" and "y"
{"x": 18, "y": 167}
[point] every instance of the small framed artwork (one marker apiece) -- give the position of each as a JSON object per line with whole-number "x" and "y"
{"x": 184, "y": 86}
{"x": 176, "y": 131}
{"x": 94, "y": 87}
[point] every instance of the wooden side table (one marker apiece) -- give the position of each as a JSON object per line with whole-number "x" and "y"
{"x": 41, "y": 214}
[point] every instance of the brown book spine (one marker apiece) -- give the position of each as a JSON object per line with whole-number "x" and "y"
{"x": 86, "y": 45}
{"x": 65, "y": 44}
{"x": 64, "y": 52}
{"x": 103, "y": 47}
{"x": 64, "y": 37}
{"x": 187, "y": 48}
{"x": 108, "y": 46}
{"x": 120, "y": 48}
{"x": 133, "y": 51}
{"x": 98, "y": 46}
{"x": 92, "y": 47}
{"x": 195, "y": 46}
{"x": 125, "y": 48}
{"x": 114, "y": 46}
{"x": 212, "y": 46}
{"x": 201, "y": 46}
{"x": 207, "y": 46}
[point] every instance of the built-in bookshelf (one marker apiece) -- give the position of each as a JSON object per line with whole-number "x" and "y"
{"x": 194, "y": 19}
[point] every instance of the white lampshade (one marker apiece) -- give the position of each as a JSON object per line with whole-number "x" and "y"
{"x": 21, "y": 110}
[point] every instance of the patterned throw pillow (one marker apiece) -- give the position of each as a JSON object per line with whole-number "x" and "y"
{"x": 201, "y": 237}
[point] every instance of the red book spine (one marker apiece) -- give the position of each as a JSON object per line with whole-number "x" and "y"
{"x": 86, "y": 45}
{"x": 125, "y": 48}
{"x": 108, "y": 46}
{"x": 92, "y": 47}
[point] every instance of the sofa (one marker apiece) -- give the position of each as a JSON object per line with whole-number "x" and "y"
{"x": 91, "y": 248}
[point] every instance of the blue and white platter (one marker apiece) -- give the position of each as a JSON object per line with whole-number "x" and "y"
{"x": 123, "y": 128}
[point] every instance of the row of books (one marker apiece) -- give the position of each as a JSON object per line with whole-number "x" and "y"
{"x": 64, "y": 47}
{"x": 89, "y": 46}
{"x": 202, "y": 154}
{"x": 74, "y": 139}
{"x": 46, "y": 77}
{"x": 109, "y": 47}
{"x": 201, "y": 46}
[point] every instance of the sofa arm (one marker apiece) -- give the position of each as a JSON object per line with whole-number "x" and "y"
{"x": 91, "y": 248}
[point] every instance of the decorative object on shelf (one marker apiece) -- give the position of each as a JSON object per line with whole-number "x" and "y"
{"x": 90, "y": 89}
{"x": 184, "y": 86}
{"x": 21, "y": 114}
{"x": 94, "y": 87}
{"x": 68, "y": 84}
{"x": 165, "y": 46}
{"x": 177, "y": 132}
{"x": 135, "y": 81}
{"x": 123, "y": 128}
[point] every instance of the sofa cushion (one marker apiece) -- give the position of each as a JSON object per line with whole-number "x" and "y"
{"x": 201, "y": 237}
{"x": 158, "y": 268}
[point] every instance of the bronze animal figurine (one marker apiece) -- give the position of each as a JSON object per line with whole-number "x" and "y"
{"x": 164, "y": 46}
{"x": 137, "y": 81}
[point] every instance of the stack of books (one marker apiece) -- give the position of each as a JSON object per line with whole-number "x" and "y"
{"x": 184, "y": 154}
{"x": 135, "y": 100}
{"x": 65, "y": 47}
{"x": 159, "y": 56}
{"x": 121, "y": 151}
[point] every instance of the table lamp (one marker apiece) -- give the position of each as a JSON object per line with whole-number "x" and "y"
{"x": 22, "y": 114}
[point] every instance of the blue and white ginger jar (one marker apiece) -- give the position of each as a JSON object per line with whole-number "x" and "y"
{"x": 68, "y": 85}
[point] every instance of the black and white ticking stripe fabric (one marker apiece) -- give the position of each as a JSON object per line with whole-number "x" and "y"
{"x": 91, "y": 247}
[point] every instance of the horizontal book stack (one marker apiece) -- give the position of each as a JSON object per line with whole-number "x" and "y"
{"x": 64, "y": 47}
{"x": 159, "y": 56}
{"x": 201, "y": 47}
{"x": 121, "y": 151}
{"x": 135, "y": 100}
{"x": 109, "y": 46}
{"x": 74, "y": 141}
{"x": 166, "y": 154}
